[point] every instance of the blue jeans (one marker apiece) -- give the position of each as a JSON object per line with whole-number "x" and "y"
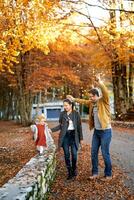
{"x": 101, "y": 138}
{"x": 69, "y": 144}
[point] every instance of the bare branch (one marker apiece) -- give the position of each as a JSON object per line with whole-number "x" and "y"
{"x": 104, "y": 8}
{"x": 78, "y": 25}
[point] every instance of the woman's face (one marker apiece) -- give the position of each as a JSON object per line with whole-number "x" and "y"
{"x": 67, "y": 106}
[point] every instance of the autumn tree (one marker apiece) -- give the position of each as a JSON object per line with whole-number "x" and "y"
{"x": 49, "y": 39}
{"x": 24, "y": 25}
{"x": 120, "y": 30}
{"x": 30, "y": 25}
{"x": 117, "y": 45}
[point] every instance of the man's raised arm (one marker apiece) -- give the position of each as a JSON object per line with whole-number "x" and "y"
{"x": 81, "y": 101}
{"x": 104, "y": 90}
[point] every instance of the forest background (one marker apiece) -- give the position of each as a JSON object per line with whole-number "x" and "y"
{"x": 48, "y": 46}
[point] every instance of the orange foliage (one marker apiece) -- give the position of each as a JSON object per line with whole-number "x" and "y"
{"x": 24, "y": 25}
{"x": 71, "y": 50}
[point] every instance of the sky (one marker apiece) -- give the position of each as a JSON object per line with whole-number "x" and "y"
{"x": 97, "y": 14}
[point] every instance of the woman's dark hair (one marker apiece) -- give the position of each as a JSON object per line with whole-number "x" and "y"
{"x": 69, "y": 102}
{"x": 94, "y": 92}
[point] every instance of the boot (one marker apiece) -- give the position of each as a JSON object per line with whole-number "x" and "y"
{"x": 69, "y": 174}
{"x": 74, "y": 172}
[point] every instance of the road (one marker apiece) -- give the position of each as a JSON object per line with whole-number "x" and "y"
{"x": 122, "y": 149}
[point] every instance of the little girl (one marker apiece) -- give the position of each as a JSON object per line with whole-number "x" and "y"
{"x": 42, "y": 136}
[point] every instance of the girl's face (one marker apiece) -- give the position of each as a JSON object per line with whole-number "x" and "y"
{"x": 67, "y": 107}
{"x": 42, "y": 121}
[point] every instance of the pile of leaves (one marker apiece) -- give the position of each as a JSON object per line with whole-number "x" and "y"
{"x": 16, "y": 149}
{"x": 82, "y": 188}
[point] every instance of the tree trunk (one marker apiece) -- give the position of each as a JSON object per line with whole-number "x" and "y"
{"x": 121, "y": 78}
{"x": 131, "y": 86}
{"x": 25, "y": 107}
{"x": 25, "y": 97}
{"x": 122, "y": 88}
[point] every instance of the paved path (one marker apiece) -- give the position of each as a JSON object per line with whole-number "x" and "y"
{"x": 122, "y": 150}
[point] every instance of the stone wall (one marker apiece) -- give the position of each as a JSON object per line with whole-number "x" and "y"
{"x": 33, "y": 181}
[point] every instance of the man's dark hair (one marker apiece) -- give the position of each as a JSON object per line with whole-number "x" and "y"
{"x": 94, "y": 92}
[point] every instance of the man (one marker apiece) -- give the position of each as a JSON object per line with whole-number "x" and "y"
{"x": 99, "y": 119}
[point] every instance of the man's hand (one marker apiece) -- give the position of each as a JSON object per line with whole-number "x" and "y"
{"x": 70, "y": 97}
{"x": 96, "y": 80}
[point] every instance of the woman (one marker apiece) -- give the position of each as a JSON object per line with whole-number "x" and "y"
{"x": 70, "y": 136}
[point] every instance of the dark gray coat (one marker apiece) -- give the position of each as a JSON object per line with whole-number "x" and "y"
{"x": 63, "y": 126}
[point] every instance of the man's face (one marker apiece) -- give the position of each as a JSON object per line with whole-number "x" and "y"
{"x": 93, "y": 98}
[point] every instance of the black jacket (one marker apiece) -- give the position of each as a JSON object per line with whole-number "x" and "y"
{"x": 63, "y": 126}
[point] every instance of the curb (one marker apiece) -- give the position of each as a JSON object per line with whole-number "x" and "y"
{"x": 122, "y": 124}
